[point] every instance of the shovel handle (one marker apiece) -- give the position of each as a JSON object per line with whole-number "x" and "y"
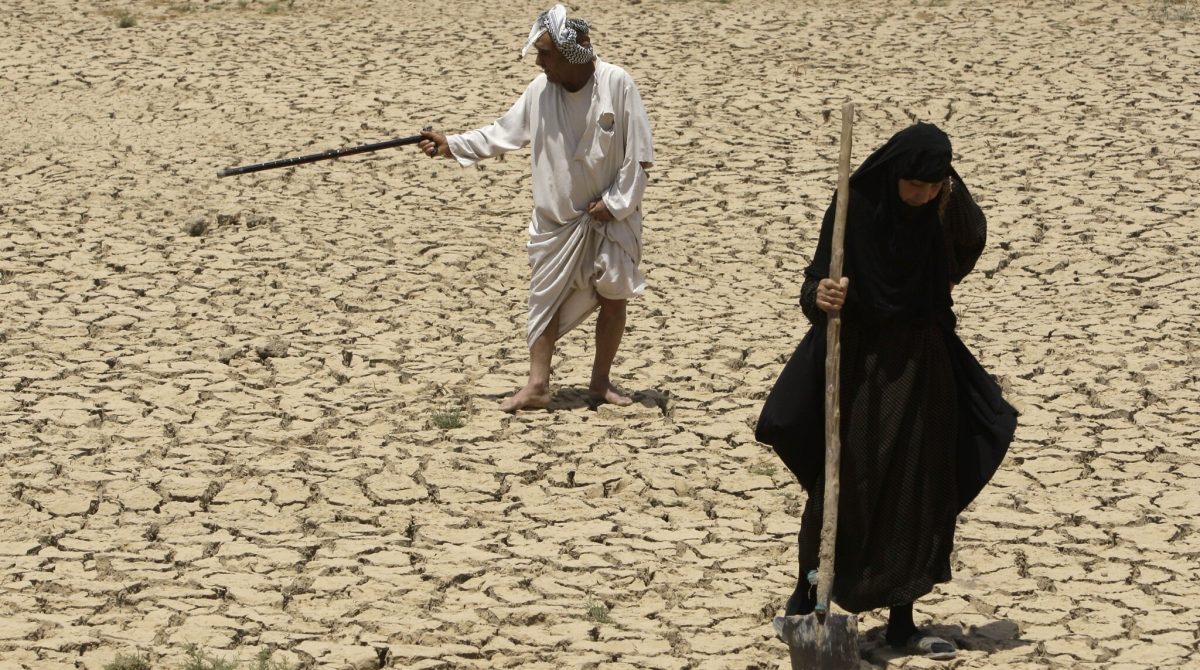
{"x": 833, "y": 353}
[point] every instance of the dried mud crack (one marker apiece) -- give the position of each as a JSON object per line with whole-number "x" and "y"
{"x": 218, "y": 396}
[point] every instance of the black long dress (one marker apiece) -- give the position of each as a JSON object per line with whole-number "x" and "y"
{"x": 924, "y": 427}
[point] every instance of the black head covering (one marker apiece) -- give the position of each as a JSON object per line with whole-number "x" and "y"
{"x": 895, "y": 255}
{"x": 920, "y": 151}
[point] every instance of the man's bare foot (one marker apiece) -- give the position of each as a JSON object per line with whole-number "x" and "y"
{"x": 609, "y": 394}
{"x": 530, "y": 397}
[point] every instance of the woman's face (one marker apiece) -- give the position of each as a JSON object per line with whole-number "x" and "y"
{"x": 916, "y": 193}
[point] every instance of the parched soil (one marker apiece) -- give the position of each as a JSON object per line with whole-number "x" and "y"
{"x": 227, "y": 406}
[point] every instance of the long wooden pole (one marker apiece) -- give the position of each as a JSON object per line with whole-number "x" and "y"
{"x": 833, "y": 354}
{"x": 323, "y": 156}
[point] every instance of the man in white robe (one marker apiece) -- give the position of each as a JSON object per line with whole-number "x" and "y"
{"x": 591, "y": 147}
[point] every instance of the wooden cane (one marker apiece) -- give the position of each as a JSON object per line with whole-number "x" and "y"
{"x": 323, "y": 156}
{"x": 833, "y": 411}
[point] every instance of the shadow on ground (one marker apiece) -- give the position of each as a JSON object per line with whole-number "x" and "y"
{"x": 996, "y": 636}
{"x": 578, "y": 398}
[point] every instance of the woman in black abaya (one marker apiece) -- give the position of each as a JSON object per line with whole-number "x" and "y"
{"x": 923, "y": 425}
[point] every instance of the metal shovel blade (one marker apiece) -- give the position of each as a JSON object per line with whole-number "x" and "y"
{"x": 817, "y": 645}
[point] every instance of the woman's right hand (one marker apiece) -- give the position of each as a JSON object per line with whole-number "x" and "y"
{"x": 831, "y": 295}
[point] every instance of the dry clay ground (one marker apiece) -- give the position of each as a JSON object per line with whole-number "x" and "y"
{"x": 218, "y": 397}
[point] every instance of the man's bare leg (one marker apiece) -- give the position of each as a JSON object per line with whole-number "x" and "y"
{"x": 610, "y": 326}
{"x": 536, "y": 393}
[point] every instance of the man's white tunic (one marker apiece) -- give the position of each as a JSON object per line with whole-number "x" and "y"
{"x": 586, "y": 145}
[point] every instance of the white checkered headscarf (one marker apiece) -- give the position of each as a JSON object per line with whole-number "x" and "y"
{"x": 564, "y": 33}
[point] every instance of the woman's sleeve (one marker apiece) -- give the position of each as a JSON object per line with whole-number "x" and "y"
{"x": 818, "y": 269}
{"x": 965, "y": 230}
{"x": 808, "y": 301}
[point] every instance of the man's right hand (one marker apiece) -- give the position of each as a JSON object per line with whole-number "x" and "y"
{"x": 831, "y": 295}
{"x": 434, "y": 144}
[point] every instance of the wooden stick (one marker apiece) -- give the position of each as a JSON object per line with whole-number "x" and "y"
{"x": 833, "y": 352}
{"x": 323, "y": 156}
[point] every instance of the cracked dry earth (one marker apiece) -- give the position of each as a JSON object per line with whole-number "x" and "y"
{"x": 220, "y": 398}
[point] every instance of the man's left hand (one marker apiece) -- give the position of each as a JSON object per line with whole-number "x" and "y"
{"x": 599, "y": 211}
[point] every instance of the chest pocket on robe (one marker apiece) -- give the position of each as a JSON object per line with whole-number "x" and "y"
{"x": 602, "y": 138}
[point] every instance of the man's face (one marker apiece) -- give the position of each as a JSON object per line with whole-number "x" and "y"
{"x": 550, "y": 60}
